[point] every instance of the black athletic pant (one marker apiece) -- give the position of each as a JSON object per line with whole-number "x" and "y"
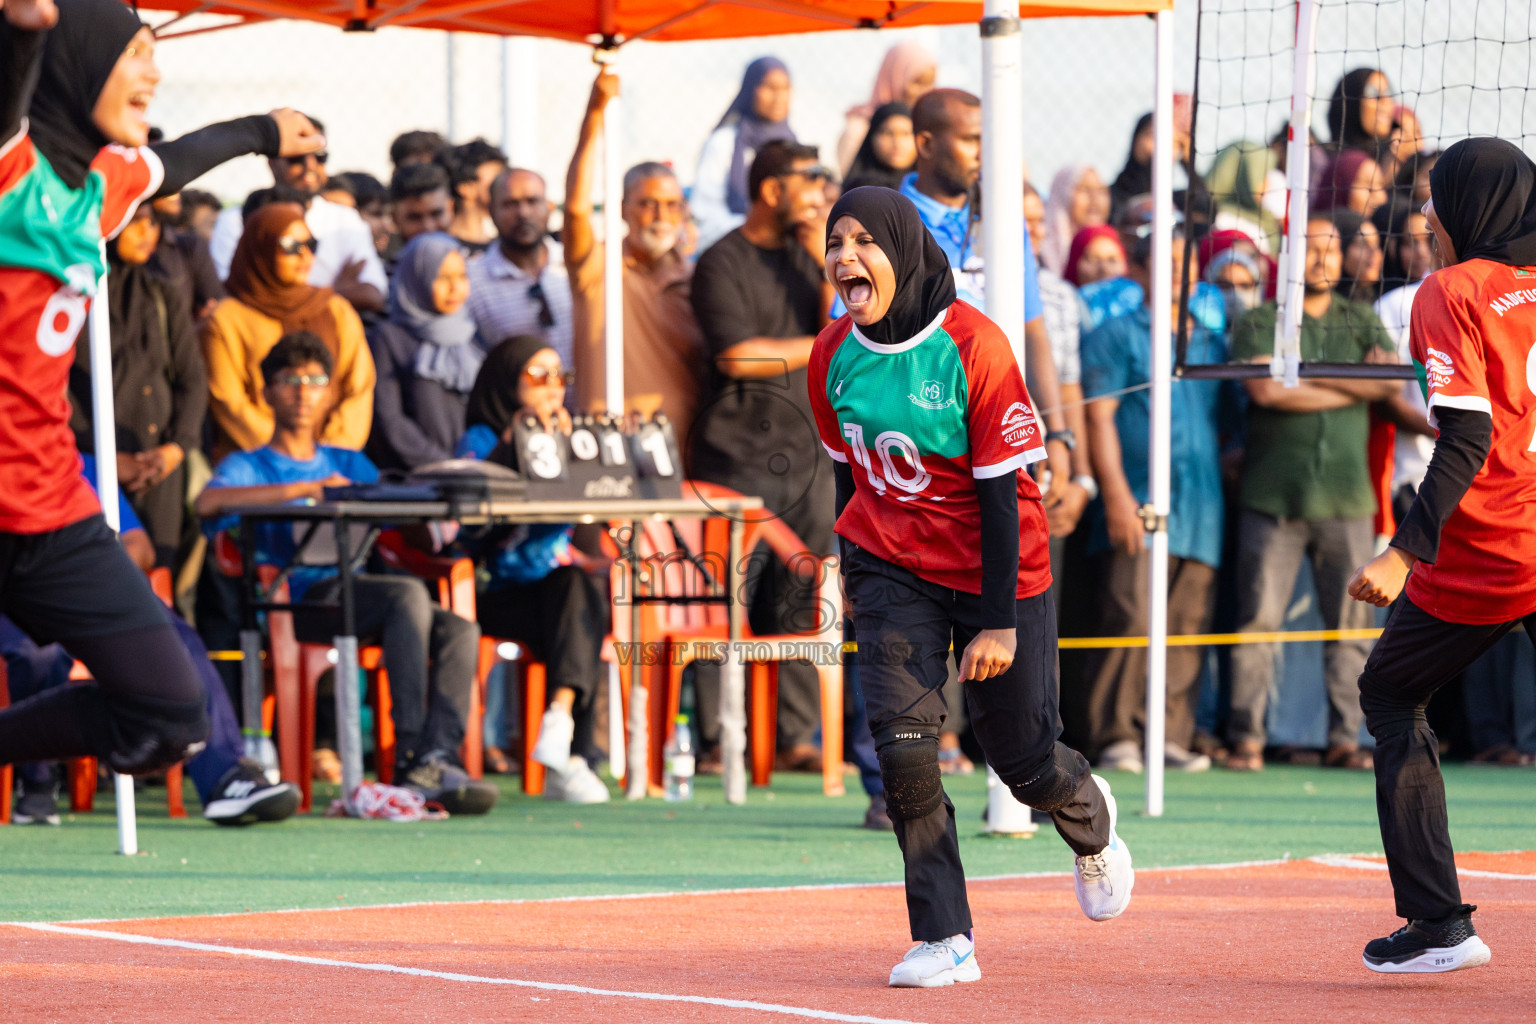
{"x": 77, "y": 587}
{"x": 1416, "y": 655}
{"x": 905, "y": 626}
{"x": 430, "y": 652}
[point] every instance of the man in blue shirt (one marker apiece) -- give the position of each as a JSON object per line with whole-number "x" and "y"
{"x": 947, "y": 127}
{"x": 430, "y": 706}
{"x": 1117, "y": 364}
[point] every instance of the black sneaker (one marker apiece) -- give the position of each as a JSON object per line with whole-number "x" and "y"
{"x": 245, "y": 796}
{"x": 439, "y": 780}
{"x": 39, "y": 804}
{"x": 1429, "y": 947}
{"x": 877, "y": 818}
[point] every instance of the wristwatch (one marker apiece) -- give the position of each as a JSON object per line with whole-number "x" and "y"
{"x": 1088, "y": 484}
{"x": 1066, "y": 437}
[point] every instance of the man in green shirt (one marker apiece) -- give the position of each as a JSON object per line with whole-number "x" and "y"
{"x": 1306, "y": 492}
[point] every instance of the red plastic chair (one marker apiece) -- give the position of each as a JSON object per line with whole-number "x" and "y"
{"x": 690, "y": 631}
{"x": 534, "y": 697}
{"x": 83, "y": 770}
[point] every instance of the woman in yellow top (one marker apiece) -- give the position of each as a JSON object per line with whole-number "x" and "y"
{"x": 269, "y": 297}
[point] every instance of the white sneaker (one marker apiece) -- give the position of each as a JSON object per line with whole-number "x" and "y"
{"x": 1177, "y": 759}
{"x": 1121, "y": 756}
{"x": 553, "y": 750}
{"x": 935, "y": 964}
{"x": 577, "y": 784}
{"x": 1104, "y": 880}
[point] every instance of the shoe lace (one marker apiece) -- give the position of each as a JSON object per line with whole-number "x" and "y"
{"x": 930, "y": 949}
{"x": 1095, "y": 868}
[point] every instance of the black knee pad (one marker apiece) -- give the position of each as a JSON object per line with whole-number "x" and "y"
{"x": 909, "y": 766}
{"x": 149, "y": 734}
{"x": 1055, "y": 782}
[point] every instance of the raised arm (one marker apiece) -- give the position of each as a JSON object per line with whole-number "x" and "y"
{"x": 577, "y": 235}
{"x": 21, "y": 57}
{"x": 283, "y": 132}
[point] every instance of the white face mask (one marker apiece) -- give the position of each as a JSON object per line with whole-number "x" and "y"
{"x": 1239, "y": 299}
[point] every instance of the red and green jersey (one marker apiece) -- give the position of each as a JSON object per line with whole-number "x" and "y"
{"x": 920, "y": 422}
{"x": 51, "y": 256}
{"x": 1473, "y": 329}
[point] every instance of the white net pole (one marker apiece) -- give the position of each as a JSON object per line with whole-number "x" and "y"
{"x": 1161, "y": 437}
{"x": 1286, "y": 362}
{"x": 1002, "y": 168}
{"x": 104, "y": 430}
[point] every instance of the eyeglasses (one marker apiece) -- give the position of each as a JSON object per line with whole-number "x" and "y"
{"x": 546, "y": 315}
{"x": 651, "y": 207}
{"x": 1375, "y": 92}
{"x": 300, "y": 161}
{"x": 302, "y": 380}
{"x": 820, "y": 174}
{"x": 540, "y": 376}
{"x": 294, "y": 246}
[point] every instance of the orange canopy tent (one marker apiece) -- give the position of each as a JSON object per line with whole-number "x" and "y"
{"x": 609, "y": 24}
{"x": 614, "y": 22}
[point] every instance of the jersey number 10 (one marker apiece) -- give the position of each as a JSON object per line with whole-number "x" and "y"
{"x": 910, "y": 477}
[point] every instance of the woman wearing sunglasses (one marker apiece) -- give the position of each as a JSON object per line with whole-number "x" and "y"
{"x": 269, "y": 296}
{"x": 544, "y": 593}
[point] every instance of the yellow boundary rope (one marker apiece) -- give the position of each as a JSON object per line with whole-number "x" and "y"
{"x": 1093, "y": 643}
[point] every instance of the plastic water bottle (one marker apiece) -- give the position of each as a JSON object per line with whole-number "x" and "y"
{"x": 677, "y": 762}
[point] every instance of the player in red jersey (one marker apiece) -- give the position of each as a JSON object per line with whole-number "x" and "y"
{"x": 1467, "y": 548}
{"x": 919, "y": 401}
{"x": 76, "y": 78}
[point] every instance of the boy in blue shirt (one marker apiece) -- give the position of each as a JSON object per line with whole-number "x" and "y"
{"x": 431, "y": 705}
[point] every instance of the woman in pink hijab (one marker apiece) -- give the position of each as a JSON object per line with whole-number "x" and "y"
{"x": 907, "y": 72}
{"x": 1079, "y": 199}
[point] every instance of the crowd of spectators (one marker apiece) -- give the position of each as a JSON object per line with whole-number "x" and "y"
{"x": 333, "y": 326}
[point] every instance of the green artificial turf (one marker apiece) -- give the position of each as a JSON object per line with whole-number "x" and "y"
{"x": 527, "y": 848}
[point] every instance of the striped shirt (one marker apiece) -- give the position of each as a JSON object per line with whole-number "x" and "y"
{"x": 504, "y": 302}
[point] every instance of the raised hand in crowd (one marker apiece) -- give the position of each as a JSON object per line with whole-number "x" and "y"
{"x": 31, "y": 15}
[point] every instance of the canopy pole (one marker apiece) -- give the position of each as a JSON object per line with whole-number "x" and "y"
{"x": 1286, "y": 363}
{"x": 1002, "y": 168}
{"x": 613, "y": 242}
{"x": 104, "y": 431}
{"x": 1161, "y": 434}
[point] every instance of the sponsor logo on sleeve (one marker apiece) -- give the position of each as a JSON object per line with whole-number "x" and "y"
{"x": 931, "y": 395}
{"x": 1439, "y": 369}
{"x": 1019, "y": 425}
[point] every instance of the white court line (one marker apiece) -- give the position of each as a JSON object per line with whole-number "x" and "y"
{"x": 1335, "y": 861}
{"x": 475, "y": 979}
{"x": 664, "y": 894}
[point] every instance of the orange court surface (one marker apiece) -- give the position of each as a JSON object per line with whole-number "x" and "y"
{"x": 1266, "y": 941}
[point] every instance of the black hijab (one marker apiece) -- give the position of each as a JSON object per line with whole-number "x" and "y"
{"x": 1344, "y": 127}
{"x": 867, "y": 167}
{"x": 78, "y": 56}
{"x": 1484, "y": 191}
{"x": 493, "y": 399}
{"x": 925, "y": 287}
{"x": 1135, "y": 178}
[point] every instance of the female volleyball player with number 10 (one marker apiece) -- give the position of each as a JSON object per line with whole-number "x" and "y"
{"x": 1466, "y": 551}
{"x": 920, "y": 404}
